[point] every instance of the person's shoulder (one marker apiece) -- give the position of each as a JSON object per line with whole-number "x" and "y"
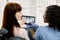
{"x": 42, "y": 28}
{"x": 23, "y": 30}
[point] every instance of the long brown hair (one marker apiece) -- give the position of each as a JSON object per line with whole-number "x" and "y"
{"x": 9, "y": 19}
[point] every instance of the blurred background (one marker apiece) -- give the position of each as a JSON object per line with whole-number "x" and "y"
{"x": 31, "y": 8}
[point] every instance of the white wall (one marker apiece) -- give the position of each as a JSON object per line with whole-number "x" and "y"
{"x": 2, "y": 4}
{"x": 58, "y": 2}
{"x": 28, "y": 6}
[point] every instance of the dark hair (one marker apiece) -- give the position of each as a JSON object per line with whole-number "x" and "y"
{"x": 53, "y": 16}
{"x": 9, "y": 19}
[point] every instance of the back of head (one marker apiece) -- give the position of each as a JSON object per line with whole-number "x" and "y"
{"x": 53, "y": 16}
{"x": 9, "y": 19}
{"x": 9, "y": 14}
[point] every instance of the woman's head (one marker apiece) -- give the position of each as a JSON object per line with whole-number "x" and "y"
{"x": 52, "y": 16}
{"x": 11, "y": 9}
{"x": 12, "y": 13}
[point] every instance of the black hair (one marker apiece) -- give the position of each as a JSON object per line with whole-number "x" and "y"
{"x": 53, "y": 16}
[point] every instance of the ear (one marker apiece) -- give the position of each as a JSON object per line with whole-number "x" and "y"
{"x": 45, "y": 19}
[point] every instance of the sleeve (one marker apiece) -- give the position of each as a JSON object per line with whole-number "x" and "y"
{"x": 24, "y": 34}
{"x": 37, "y": 35}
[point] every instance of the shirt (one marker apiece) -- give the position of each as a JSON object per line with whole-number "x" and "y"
{"x": 47, "y": 33}
{"x": 20, "y": 32}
